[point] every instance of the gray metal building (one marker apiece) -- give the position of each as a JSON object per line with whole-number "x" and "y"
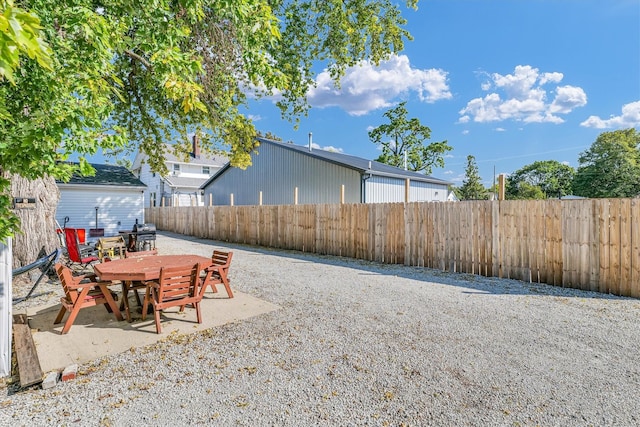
{"x": 284, "y": 174}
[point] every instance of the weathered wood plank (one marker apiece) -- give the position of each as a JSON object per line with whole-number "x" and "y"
{"x": 29, "y": 368}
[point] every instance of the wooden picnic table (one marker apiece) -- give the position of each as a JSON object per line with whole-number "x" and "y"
{"x": 143, "y": 269}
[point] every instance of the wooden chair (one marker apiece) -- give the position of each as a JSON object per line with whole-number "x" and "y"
{"x": 177, "y": 287}
{"x": 79, "y": 256}
{"x": 81, "y": 292}
{"x": 217, "y": 272}
{"x": 109, "y": 247}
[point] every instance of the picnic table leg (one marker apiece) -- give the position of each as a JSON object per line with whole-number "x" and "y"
{"x": 125, "y": 299}
{"x": 107, "y": 295}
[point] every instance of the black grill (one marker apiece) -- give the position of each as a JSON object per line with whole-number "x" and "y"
{"x": 144, "y": 236}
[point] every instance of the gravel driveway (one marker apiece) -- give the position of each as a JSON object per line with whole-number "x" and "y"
{"x": 358, "y": 343}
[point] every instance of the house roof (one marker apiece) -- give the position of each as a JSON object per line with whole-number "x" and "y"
{"x": 108, "y": 175}
{"x": 205, "y": 159}
{"x": 179, "y": 181}
{"x": 358, "y": 163}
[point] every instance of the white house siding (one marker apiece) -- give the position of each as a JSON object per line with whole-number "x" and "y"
{"x": 380, "y": 189}
{"x": 277, "y": 172}
{"x": 154, "y": 184}
{"x": 119, "y": 207}
{"x": 178, "y": 196}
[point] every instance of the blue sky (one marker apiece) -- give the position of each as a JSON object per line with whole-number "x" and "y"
{"x": 507, "y": 81}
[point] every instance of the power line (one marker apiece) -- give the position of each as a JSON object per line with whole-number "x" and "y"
{"x": 522, "y": 155}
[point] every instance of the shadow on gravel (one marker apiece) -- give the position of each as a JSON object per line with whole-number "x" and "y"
{"x": 475, "y": 284}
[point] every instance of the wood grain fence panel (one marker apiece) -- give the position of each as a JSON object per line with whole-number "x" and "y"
{"x": 442, "y": 232}
{"x": 464, "y": 233}
{"x": 634, "y": 259}
{"x": 421, "y": 233}
{"x": 588, "y": 244}
{"x": 378, "y": 250}
{"x": 556, "y": 241}
{"x": 537, "y": 257}
{"x": 431, "y": 237}
{"x": 614, "y": 245}
{"x": 570, "y": 218}
{"x": 594, "y": 248}
{"x": 604, "y": 243}
{"x": 409, "y": 227}
{"x": 496, "y": 240}
{"x": 477, "y": 233}
{"x": 510, "y": 253}
{"x": 625, "y": 247}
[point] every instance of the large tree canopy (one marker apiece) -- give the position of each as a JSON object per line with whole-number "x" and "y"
{"x": 125, "y": 75}
{"x": 610, "y": 167}
{"x": 404, "y": 139}
{"x": 552, "y": 178}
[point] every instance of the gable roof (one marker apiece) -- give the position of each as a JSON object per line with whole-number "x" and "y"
{"x": 204, "y": 159}
{"x": 107, "y": 175}
{"x": 181, "y": 181}
{"x": 358, "y": 163}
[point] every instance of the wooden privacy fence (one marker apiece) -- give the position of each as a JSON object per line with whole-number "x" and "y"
{"x": 589, "y": 244}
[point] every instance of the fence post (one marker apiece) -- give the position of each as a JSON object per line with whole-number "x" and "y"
{"x": 342, "y": 194}
{"x": 231, "y": 199}
{"x": 407, "y": 185}
{"x": 210, "y": 199}
{"x": 260, "y": 199}
{"x": 501, "y": 186}
{"x": 295, "y": 196}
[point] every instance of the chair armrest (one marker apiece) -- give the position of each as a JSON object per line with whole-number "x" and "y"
{"x": 89, "y": 276}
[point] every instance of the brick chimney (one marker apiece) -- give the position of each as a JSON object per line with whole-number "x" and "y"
{"x": 196, "y": 147}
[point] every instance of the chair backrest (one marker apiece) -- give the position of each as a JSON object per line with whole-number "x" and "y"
{"x": 179, "y": 282}
{"x": 66, "y": 278}
{"x": 220, "y": 258}
{"x": 73, "y": 244}
{"x": 140, "y": 254}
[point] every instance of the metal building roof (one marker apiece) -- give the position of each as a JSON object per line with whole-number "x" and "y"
{"x": 362, "y": 165}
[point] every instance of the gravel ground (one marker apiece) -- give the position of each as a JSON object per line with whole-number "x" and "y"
{"x": 359, "y": 343}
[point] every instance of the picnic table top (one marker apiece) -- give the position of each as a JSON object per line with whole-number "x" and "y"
{"x": 144, "y": 268}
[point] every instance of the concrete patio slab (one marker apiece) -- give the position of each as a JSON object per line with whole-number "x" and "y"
{"x": 97, "y": 333}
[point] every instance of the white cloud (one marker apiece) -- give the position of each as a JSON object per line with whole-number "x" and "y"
{"x": 326, "y": 148}
{"x": 521, "y": 97}
{"x": 630, "y": 118}
{"x": 367, "y": 87}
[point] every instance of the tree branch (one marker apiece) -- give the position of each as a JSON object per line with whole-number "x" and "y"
{"x": 137, "y": 57}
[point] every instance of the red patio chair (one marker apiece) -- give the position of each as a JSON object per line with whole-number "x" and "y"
{"x": 79, "y": 256}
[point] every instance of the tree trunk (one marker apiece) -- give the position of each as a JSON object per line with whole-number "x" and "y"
{"x": 38, "y": 226}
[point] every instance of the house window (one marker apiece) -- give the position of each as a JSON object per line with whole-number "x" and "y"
{"x": 153, "y": 174}
{"x": 205, "y": 170}
{"x": 176, "y": 168}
